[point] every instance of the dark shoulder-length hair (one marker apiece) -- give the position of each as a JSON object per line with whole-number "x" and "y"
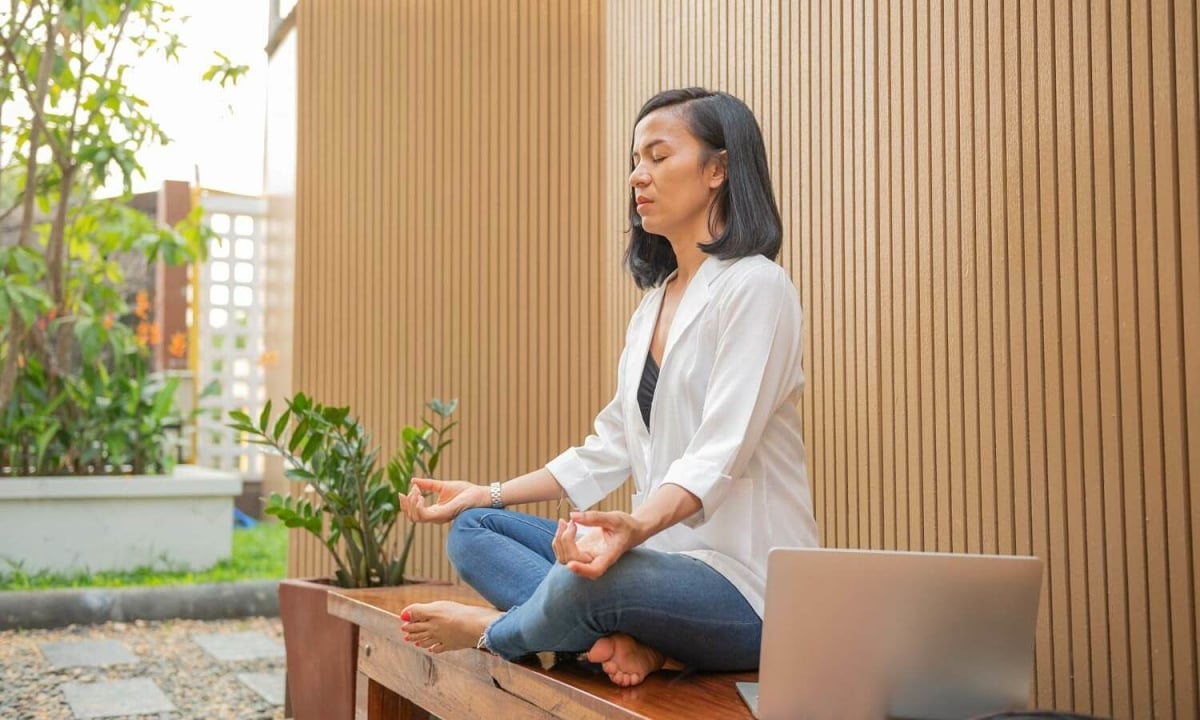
{"x": 745, "y": 202}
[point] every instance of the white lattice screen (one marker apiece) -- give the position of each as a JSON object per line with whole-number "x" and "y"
{"x": 230, "y": 330}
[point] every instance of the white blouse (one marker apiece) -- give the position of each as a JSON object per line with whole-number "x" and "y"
{"x": 725, "y": 424}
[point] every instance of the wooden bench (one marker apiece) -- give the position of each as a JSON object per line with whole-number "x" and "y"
{"x": 397, "y": 680}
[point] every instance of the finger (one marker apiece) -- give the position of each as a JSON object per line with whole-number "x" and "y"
{"x": 420, "y": 509}
{"x": 408, "y": 507}
{"x": 566, "y": 542}
{"x": 591, "y": 569}
{"x": 415, "y": 502}
{"x": 427, "y": 484}
{"x": 413, "y": 495}
{"x": 410, "y": 503}
{"x": 570, "y": 540}
{"x": 556, "y": 543}
{"x": 596, "y": 518}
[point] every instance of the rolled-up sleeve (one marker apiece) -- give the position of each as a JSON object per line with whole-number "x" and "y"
{"x": 755, "y": 369}
{"x": 589, "y": 472}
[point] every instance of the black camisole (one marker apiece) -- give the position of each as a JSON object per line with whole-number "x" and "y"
{"x": 645, "y": 393}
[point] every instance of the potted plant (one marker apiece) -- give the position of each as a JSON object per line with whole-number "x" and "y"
{"x": 351, "y": 503}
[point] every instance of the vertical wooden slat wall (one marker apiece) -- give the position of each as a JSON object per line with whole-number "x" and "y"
{"x": 991, "y": 213}
{"x": 448, "y": 240}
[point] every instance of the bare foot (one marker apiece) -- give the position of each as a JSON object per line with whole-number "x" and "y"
{"x": 444, "y": 625}
{"x": 626, "y": 660}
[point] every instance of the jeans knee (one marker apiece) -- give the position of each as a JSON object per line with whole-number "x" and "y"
{"x": 458, "y": 540}
{"x": 566, "y": 586}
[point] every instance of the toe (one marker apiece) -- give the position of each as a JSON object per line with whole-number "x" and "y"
{"x": 601, "y": 651}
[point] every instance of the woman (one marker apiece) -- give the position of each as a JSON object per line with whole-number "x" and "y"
{"x": 705, "y": 419}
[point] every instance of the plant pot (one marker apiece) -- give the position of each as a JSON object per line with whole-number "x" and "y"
{"x": 322, "y": 652}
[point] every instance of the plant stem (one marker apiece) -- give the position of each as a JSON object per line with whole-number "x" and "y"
{"x": 408, "y": 541}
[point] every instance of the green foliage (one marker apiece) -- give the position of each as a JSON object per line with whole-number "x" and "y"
{"x": 76, "y": 395}
{"x": 225, "y": 71}
{"x": 356, "y": 501}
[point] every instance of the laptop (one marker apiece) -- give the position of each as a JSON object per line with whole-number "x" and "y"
{"x": 881, "y": 634}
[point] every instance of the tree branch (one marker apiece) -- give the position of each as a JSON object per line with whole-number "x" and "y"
{"x": 25, "y": 235}
{"x": 116, "y": 41}
{"x": 8, "y": 375}
{"x": 35, "y": 103}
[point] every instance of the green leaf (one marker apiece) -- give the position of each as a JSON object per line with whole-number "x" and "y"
{"x": 299, "y": 475}
{"x": 281, "y": 424}
{"x": 298, "y": 435}
{"x": 163, "y": 400}
{"x": 265, "y": 417}
{"x": 212, "y": 389}
{"x": 310, "y": 447}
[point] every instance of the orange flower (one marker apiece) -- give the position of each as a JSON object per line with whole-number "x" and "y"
{"x": 108, "y": 321}
{"x": 155, "y": 335}
{"x": 143, "y": 305}
{"x": 268, "y": 358}
{"x": 143, "y": 333}
{"x": 21, "y": 361}
{"x": 53, "y": 313}
{"x": 178, "y": 347}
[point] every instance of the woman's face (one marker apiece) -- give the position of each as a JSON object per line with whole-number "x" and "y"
{"x": 672, "y": 184}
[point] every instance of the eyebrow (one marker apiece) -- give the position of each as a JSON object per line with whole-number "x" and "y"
{"x": 647, "y": 146}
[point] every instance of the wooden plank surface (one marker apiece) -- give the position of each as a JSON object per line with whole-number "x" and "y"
{"x": 473, "y": 683}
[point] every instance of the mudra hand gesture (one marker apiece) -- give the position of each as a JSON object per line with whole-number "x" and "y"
{"x": 453, "y": 496}
{"x": 589, "y": 555}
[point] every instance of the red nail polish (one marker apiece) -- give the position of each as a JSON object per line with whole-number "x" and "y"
{"x": 406, "y": 616}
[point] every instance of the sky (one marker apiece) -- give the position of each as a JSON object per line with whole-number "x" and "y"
{"x": 217, "y": 131}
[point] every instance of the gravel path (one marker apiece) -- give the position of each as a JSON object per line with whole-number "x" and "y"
{"x": 199, "y": 685}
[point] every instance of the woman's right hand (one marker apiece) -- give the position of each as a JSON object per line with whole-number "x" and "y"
{"x": 453, "y": 496}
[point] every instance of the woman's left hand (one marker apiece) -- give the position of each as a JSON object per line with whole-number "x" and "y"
{"x": 591, "y": 555}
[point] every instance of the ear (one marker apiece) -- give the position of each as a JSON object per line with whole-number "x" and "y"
{"x": 715, "y": 173}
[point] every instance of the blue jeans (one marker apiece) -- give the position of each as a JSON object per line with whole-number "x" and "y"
{"x": 674, "y": 603}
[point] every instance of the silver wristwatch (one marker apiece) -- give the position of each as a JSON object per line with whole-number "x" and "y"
{"x": 496, "y": 502}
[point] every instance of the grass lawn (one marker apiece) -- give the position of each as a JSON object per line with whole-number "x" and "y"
{"x": 259, "y": 553}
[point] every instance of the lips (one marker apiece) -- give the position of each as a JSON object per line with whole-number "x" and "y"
{"x": 641, "y": 200}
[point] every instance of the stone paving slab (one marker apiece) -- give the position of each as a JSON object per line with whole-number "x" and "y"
{"x": 267, "y": 685}
{"x": 86, "y": 653}
{"x": 115, "y": 697}
{"x": 239, "y": 646}
{"x": 197, "y": 684}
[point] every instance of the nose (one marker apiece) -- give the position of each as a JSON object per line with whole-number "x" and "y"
{"x": 639, "y": 177}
